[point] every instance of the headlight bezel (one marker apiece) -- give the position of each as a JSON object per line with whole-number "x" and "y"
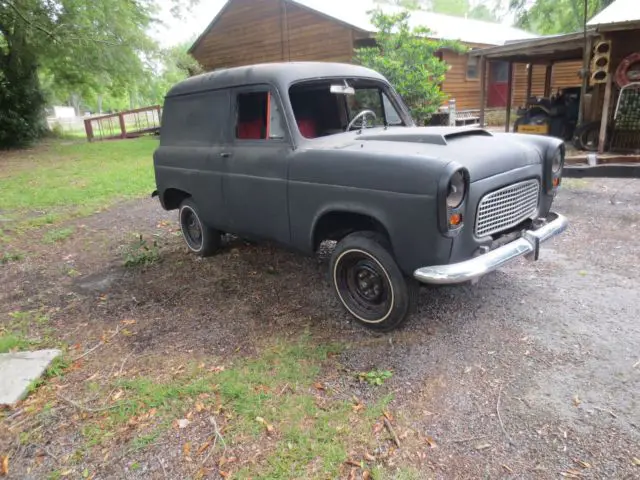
{"x": 456, "y": 190}
{"x": 557, "y": 161}
{"x": 445, "y": 212}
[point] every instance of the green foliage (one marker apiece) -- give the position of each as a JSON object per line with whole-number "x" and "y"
{"x": 141, "y": 253}
{"x": 375, "y": 377}
{"x": 407, "y": 57}
{"x": 457, "y": 8}
{"x": 555, "y": 16}
{"x": 75, "y": 52}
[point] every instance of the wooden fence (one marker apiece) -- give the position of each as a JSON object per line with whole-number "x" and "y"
{"x": 127, "y": 124}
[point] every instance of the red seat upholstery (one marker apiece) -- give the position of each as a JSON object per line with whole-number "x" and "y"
{"x": 307, "y": 128}
{"x": 251, "y": 130}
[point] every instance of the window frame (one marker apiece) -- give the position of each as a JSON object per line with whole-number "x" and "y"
{"x": 274, "y": 95}
{"x": 394, "y": 98}
{"x": 477, "y": 68}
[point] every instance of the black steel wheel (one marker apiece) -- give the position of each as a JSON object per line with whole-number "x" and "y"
{"x": 369, "y": 283}
{"x": 199, "y": 237}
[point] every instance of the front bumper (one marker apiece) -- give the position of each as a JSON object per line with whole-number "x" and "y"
{"x": 527, "y": 244}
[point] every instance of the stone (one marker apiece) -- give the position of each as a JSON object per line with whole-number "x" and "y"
{"x": 18, "y": 370}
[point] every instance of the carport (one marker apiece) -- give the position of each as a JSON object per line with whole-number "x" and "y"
{"x": 545, "y": 51}
{"x": 609, "y": 42}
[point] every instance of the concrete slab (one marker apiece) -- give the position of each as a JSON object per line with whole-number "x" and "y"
{"x": 18, "y": 370}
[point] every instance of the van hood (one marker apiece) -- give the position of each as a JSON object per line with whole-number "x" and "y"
{"x": 478, "y": 150}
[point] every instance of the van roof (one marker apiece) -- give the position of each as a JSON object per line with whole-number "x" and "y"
{"x": 281, "y": 74}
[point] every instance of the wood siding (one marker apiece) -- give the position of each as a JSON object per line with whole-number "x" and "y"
{"x": 465, "y": 91}
{"x": 563, "y": 74}
{"x": 249, "y": 32}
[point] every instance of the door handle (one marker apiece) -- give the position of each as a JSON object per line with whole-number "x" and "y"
{"x": 225, "y": 154}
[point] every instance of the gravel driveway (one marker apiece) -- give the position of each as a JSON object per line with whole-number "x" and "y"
{"x": 532, "y": 373}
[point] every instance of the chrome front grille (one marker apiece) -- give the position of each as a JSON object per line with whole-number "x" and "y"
{"x": 507, "y": 207}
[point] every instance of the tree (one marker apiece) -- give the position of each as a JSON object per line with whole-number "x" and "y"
{"x": 407, "y": 57}
{"x": 479, "y": 10}
{"x": 175, "y": 65}
{"x": 77, "y": 48}
{"x": 555, "y": 16}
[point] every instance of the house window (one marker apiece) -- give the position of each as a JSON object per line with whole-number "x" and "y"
{"x": 258, "y": 117}
{"x": 473, "y": 71}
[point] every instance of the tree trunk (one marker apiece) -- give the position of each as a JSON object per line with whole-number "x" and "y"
{"x": 20, "y": 95}
{"x": 75, "y": 102}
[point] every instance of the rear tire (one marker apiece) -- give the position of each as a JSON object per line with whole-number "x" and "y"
{"x": 369, "y": 283}
{"x": 587, "y": 137}
{"x": 200, "y": 238}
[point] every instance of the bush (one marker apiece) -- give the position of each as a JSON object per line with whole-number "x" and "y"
{"x": 407, "y": 58}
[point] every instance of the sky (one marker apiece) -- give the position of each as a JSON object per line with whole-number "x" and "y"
{"x": 193, "y": 24}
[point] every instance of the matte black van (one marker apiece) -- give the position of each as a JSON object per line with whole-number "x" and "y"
{"x": 300, "y": 153}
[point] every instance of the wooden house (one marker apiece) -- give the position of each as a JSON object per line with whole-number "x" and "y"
{"x": 255, "y": 31}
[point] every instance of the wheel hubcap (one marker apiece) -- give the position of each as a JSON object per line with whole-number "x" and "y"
{"x": 363, "y": 286}
{"x": 191, "y": 228}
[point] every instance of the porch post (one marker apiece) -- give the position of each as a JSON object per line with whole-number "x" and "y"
{"x": 509, "y": 97}
{"x": 605, "y": 115}
{"x": 547, "y": 80}
{"x": 529, "y": 81}
{"x": 585, "y": 79}
{"x": 483, "y": 88}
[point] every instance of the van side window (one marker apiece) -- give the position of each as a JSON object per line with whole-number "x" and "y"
{"x": 258, "y": 117}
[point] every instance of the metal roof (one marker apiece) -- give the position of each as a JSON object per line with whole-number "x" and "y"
{"x": 282, "y": 74}
{"x": 354, "y": 13}
{"x": 619, "y": 12}
{"x": 445, "y": 27}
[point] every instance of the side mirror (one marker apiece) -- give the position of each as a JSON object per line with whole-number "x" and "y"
{"x": 342, "y": 90}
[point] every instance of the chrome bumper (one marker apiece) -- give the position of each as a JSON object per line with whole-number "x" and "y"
{"x": 527, "y": 244}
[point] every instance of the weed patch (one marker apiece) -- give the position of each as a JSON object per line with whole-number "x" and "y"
{"x": 8, "y": 257}
{"x": 10, "y": 342}
{"x": 57, "y": 235}
{"x": 141, "y": 253}
{"x": 375, "y": 377}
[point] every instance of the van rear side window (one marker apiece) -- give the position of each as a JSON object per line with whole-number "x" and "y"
{"x": 198, "y": 119}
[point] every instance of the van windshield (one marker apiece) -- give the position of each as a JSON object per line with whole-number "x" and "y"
{"x": 328, "y": 107}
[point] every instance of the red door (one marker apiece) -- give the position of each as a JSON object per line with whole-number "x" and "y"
{"x": 498, "y": 82}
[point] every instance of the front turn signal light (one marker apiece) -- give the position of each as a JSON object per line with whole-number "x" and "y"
{"x": 455, "y": 219}
{"x": 556, "y": 182}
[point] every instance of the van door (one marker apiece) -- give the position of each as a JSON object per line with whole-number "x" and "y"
{"x": 256, "y": 183}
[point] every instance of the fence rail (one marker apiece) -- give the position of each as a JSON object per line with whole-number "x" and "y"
{"x": 127, "y": 124}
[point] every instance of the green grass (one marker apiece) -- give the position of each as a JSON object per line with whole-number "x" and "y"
{"x": 10, "y": 342}
{"x": 27, "y": 329}
{"x": 57, "y": 235}
{"x": 62, "y": 179}
{"x": 271, "y": 394}
{"x": 8, "y": 257}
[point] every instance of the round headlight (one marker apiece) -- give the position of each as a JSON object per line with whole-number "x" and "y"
{"x": 557, "y": 162}
{"x": 456, "y": 192}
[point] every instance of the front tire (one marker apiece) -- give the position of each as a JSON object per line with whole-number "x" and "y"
{"x": 369, "y": 283}
{"x": 199, "y": 237}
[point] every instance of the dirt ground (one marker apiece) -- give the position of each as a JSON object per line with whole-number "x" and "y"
{"x": 532, "y": 373}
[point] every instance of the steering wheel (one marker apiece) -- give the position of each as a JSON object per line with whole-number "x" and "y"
{"x": 362, "y": 115}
